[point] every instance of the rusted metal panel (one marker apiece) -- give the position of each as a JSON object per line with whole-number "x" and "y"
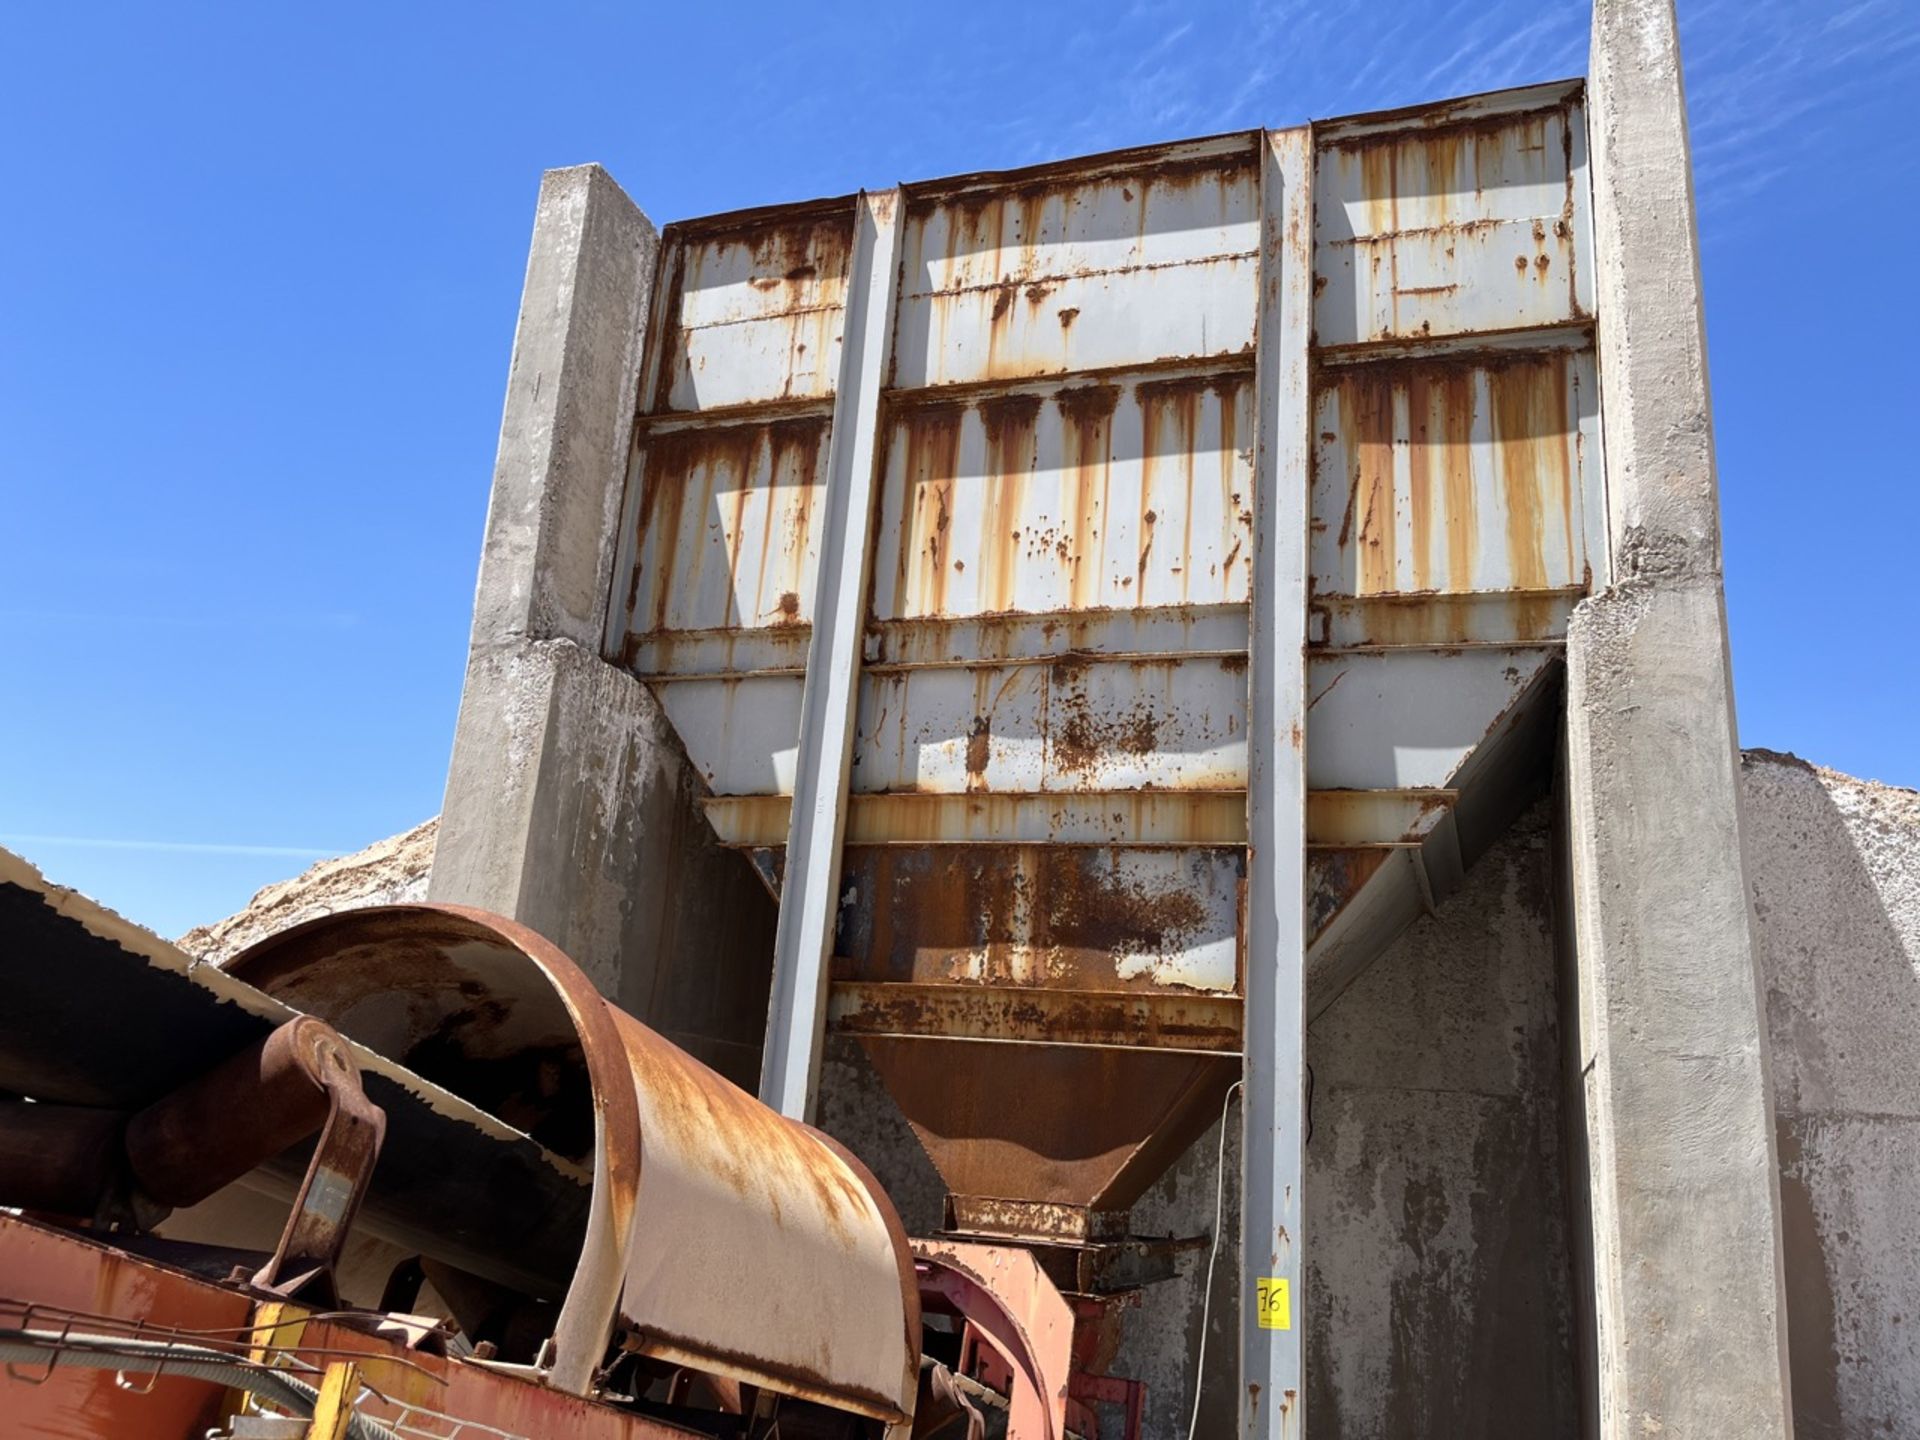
{"x": 724, "y": 538}
{"x": 1177, "y": 1021}
{"x": 1426, "y": 621}
{"x": 1021, "y": 1126}
{"x": 1048, "y": 916}
{"x": 1185, "y": 630}
{"x": 1072, "y": 725}
{"x": 1165, "y": 723}
{"x": 750, "y": 311}
{"x": 1363, "y": 817}
{"x": 1056, "y": 271}
{"x": 65, "y": 1274}
{"x": 1128, "y": 494}
{"x": 1471, "y": 225}
{"x": 69, "y": 1281}
{"x": 1128, "y": 817}
{"x": 1456, "y": 475}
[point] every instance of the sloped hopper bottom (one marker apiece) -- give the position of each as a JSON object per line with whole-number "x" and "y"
{"x": 1049, "y": 1143}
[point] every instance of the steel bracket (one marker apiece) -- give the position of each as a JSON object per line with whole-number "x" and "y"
{"x": 336, "y": 1180}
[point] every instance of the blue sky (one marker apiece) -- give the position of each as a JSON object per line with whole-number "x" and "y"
{"x": 262, "y": 265}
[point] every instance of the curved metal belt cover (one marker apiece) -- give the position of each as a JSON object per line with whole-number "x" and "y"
{"x": 721, "y": 1236}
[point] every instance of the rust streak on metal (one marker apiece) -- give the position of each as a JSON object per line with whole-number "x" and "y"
{"x": 1177, "y": 1021}
{"x": 1529, "y": 424}
{"x": 1011, "y": 423}
{"x": 1440, "y": 413}
{"x": 1366, "y": 423}
{"x": 1060, "y": 917}
{"x": 1086, "y": 413}
{"x": 933, "y": 464}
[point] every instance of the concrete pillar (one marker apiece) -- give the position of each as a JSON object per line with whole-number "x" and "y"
{"x": 1689, "y": 1333}
{"x": 569, "y": 804}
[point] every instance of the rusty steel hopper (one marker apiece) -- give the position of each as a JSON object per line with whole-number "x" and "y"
{"x": 977, "y": 457}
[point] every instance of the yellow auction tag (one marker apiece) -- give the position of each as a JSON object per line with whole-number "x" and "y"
{"x": 1272, "y": 1303}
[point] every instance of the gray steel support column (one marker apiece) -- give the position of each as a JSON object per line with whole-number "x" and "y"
{"x": 1272, "y": 1297}
{"x": 569, "y": 805}
{"x": 796, "y": 1019}
{"x": 1690, "y": 1322}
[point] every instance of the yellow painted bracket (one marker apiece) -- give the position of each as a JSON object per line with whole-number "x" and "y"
{"x": 334, "y": 1409}
{"x": 277, "y": 1326}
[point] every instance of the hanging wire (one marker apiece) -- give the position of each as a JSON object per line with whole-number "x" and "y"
{"x": 1206, "y": 1304}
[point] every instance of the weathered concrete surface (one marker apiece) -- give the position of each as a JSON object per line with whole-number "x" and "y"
{"x": 567, "y": 422}
{"x": 1438, "y": 1277}
{"x": 1441, "y": 1301}
{"x": 1682, "y": 1239}
{"x": 594, "y": 838}
{"x": 1663, "y": 495}
{"x": 570, "y": 805}
{"x": 1686, "y": 1258}
{"x": 1835, "y": 866}
{"x": 388, "y": 872}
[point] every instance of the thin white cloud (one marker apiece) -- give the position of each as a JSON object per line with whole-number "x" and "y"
{"x": 185, "y": 847}
{"x": 1773, "y": 85}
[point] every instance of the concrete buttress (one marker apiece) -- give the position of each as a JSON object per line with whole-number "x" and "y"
{"x": 569, "y": 805}
{"x": 1689, "y": 1324}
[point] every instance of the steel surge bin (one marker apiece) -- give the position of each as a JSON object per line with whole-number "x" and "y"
{"x": 1041, "y": 939}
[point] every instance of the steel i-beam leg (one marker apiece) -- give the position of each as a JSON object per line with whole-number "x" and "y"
{"x": 1271, "y": 1298}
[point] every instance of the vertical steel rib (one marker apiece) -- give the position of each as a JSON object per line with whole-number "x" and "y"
{"x": 1271, "y": 1294}
{"x": 796, "y": 1017}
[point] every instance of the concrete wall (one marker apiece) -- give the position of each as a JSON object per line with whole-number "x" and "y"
{"x": 1835, "y": 868}
{"x": 1438, "y": 1280}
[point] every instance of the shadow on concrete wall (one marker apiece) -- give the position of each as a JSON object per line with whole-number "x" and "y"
{"x": 1834, "y": 865}
{"x": 1439, "y": 1272}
